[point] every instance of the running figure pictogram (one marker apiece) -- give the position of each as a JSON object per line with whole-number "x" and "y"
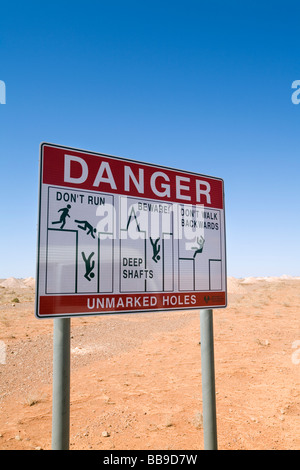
{"x": 89, "y": 275}
{"x": 86, "y": 226}
{"x": 64, "y": 213}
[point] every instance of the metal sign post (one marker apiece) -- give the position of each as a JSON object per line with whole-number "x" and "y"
{"x": 208, "y": 380}
{"x": 61, "y": 384}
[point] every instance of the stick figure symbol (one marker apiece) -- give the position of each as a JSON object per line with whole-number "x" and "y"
{"x": 64, "y": 213}
{"x": 89, "y": 275}
{"x": 156, "y": 249}
{"x": 86, "y": 227}
{"x": 200, "y": 246}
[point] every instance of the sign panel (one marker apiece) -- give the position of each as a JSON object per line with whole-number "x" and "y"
{"x": 117, "y": 235}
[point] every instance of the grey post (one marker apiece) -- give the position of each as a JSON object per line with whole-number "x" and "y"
{"x": 208, "y": 380}
{"x": 61, "y": 384}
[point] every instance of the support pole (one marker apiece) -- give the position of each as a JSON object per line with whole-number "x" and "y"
{"x": 61, "y": 384}
{"x": 208, "y": 380}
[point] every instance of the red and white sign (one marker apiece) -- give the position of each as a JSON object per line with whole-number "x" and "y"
{"x": 117, "y": 235}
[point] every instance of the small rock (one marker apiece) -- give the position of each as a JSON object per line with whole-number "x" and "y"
{"x": 105, "y": 434}
{"x": 198, "y": 420}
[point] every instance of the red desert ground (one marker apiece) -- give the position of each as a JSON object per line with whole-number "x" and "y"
{"x": 136, "y": 378}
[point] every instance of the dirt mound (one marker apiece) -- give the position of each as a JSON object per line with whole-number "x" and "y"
{"x": 29, "y": 282}
{"x": 234, "y": 286}
{"x": 13, "y": 283}
{"x": 254, "y": 280}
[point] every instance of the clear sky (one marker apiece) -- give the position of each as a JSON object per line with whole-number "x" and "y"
{"x": 203, "y": 86}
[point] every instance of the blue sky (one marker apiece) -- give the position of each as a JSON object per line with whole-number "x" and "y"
{"x": 195, "y": 85}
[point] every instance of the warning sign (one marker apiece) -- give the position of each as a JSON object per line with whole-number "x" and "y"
{"x": 117, "y": 235}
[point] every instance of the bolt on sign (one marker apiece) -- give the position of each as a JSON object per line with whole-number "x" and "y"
{"x": 117, "y": 235}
